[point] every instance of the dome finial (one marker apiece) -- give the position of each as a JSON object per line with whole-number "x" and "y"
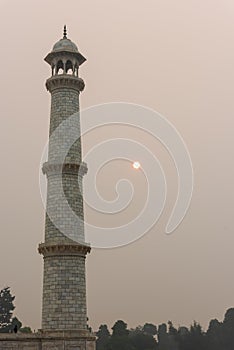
{"x": 65, "y": 32}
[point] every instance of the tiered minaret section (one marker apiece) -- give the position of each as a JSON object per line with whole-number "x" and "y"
{"x": 64, "y": 285}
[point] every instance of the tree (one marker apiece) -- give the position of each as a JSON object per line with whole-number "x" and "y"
{"x": 120, "y": 339}
{"x": 172, "y": 336}
{"x": 150, "y": 329}
{"x": 162, "y": 332}
{"x": 6, "y": 310}
{"x": 197, "y": 339}
{"x": 227, "y": 329}
{"x": 120, "y": 329}
{"x": 142, "y": 340}
{"x": 183, "y": 338}
{"x": 171, "y": 329}
{"x": 214, "y": 335}
{"x": 103, "y": 337}
{"x": 163, "y": 339}
{"x": 229, "y": 317}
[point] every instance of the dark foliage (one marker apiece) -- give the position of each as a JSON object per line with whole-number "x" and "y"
{"x": 7, "y": 323}
{"x": 6, "y": 310}
{"x": 219, "y": 336}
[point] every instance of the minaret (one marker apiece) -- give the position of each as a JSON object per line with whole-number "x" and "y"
{"x": 64, "y": 285}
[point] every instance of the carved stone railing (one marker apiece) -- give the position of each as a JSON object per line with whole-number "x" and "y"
{"x": 69, "y": 249}
{"x": 65, "y": 81}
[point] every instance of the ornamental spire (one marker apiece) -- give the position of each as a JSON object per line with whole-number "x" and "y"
{"x": 65, "y": 32}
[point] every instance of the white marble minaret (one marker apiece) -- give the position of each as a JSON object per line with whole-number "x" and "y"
{"x": 64, "y": 284}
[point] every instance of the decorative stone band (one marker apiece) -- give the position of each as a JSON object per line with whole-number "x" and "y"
{"x": 62, "y": 249}
{"x": 65, "y": 81}
{"x": 66, "y": 168}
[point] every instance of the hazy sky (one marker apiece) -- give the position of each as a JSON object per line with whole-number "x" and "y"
{"x": 173, "y": 56}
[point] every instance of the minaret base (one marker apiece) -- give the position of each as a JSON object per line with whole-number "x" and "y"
{"x": 69, "y": 340}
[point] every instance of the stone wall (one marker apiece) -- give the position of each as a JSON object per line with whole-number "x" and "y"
{"x": 53, "y": 341}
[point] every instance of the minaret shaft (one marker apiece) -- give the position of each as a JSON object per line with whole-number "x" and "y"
{"x": 64, "y": 285}
{"x": 64, "y": 110}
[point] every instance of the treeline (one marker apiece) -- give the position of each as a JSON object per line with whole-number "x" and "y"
{"x": 219, "y": 336}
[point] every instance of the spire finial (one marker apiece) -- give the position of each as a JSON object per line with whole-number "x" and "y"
{"x": 65, "y": 32}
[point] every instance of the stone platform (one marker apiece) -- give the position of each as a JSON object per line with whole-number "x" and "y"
{"x": 69, "y": 340}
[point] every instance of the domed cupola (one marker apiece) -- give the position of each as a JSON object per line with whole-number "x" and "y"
{"x": 65, "y": 57}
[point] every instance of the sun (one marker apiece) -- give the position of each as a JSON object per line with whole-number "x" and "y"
{"x": 136, "y": 165}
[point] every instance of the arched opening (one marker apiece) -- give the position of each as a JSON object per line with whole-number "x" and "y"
{"x": 69, "y": 67}
{"x": 59, "y": 68}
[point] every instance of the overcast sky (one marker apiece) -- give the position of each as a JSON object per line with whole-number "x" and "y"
{"x": 175, "y": 57}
